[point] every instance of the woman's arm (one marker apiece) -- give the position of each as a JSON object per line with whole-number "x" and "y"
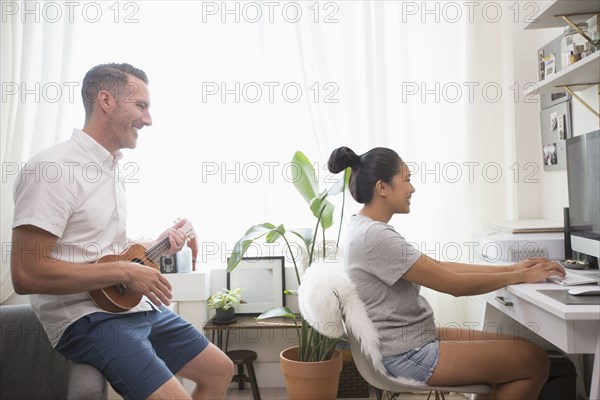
{"x": 478, "y": 268}
{"x": 463, "y": 281}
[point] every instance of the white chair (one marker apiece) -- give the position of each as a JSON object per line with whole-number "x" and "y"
{"x": 391, "y": 388}
{"x": 330, "y": 303}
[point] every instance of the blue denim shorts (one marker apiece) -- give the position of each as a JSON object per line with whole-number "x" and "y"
{"x": 417, "y": 364}
{"x": 137, "y": 352}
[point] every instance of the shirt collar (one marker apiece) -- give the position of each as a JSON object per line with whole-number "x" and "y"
{"x": 98, "y": 152}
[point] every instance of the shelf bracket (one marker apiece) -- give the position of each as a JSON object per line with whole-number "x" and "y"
{"x": 572, "y": 24}
{"x": 583, "y": 102}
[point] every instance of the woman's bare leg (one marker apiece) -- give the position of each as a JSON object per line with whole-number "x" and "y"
{"x": 516, "y": 368}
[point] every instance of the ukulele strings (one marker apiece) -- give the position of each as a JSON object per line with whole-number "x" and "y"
{"x": 157, "y": 250}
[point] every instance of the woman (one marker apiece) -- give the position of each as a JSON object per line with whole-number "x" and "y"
{"x": 388, "y": 273}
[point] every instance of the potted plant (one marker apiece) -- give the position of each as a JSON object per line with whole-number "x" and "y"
{"x": 314, "y": 351}
{"x": 224, "y": 304}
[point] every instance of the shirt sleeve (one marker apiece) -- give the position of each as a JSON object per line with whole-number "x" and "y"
{"x": 45, "y": 196}
{"x": 389, "y": 254}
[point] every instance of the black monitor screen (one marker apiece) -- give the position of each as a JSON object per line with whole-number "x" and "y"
{"x": 583, "y": 176}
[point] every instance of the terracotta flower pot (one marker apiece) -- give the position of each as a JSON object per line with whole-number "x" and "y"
{"x": 310, "y": 380}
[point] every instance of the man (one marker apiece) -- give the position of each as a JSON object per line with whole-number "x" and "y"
{"x": 69, "y": 211}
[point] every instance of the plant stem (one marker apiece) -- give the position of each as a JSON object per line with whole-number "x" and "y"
{"x": 293, "y": 259}
{"x": 337, "y": 243}
{"x": 312, "y": 249}
{"x": 324, "y": 244}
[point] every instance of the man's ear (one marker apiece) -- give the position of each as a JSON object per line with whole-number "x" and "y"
{"x": 105, "y": 101}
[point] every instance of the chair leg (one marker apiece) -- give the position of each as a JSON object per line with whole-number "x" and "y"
{"x": 438, "y": 395}
{"x": 389, "y": 395}
{"x": 241, "y": 376}
{"x": 253, "y": 383}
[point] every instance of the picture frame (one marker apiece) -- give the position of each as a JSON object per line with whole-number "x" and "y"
{"x": 262, "y": 280}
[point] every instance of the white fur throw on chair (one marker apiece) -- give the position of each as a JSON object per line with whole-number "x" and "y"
{"x": 328, "y": 300}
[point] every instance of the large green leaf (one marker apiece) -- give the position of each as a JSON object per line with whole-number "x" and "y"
{"x": 275, "y": 234}
{"x": 242, "y": 245}
{"x": 306, "y": 182}
{"x": 277, "y": 312}
{"x": 316, "y": 206}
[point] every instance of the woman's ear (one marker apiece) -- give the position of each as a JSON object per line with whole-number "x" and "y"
{"x": 380, "y": 188}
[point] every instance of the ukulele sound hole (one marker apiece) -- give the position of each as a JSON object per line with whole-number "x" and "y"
{"x": 122, "y": 288}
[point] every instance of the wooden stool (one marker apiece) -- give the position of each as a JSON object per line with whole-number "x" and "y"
{"x": 241, "y": 358}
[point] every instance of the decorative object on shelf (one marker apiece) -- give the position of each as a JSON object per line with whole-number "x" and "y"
{"x": 224, "y": 305}
{"x": 549, "y": 65}
{"x": 183, "y": 260}
{"x": 167, "y": 264}
{"x": 595, "y": 41}
{"x": 573, "y": 44}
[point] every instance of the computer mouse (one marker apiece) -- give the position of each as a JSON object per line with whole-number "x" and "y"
{"x": 585, "y": 291}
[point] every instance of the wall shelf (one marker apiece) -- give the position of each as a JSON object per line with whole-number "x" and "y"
{"x": 585, "y": 72}
{"x": 577, "y": 10}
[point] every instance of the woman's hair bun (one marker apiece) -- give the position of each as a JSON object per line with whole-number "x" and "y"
{"x": 342, "y": 158}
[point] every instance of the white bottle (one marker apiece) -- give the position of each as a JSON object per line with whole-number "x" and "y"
{"x": 184, "y": 260}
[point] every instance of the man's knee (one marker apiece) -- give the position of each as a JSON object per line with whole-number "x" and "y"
{"x": 227, "y": 368}
{"x": 211, "y": 366}
{"x": 222, "y": 364}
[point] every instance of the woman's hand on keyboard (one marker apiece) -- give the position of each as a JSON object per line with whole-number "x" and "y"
{"x": 528, "y": 263}
{"x": 540, "y": 270}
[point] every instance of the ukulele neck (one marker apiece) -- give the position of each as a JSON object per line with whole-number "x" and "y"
{"x": 159, "y": 249}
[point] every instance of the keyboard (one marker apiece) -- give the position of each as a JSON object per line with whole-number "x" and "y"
{"x": 572, "y": 279}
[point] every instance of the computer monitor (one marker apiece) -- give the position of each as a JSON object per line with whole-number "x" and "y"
{"x": 583, "y": 180}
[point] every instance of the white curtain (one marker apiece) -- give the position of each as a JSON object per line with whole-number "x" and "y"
{"x": 35, "y": 61}
{"x": 433, "y": 81}
{"x": 228, "y": 115}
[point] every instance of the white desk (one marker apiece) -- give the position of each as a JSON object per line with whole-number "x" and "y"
{"x": 575, "y": 329}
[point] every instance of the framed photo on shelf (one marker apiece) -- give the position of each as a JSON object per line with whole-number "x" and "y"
{"x": 262, "y": 280}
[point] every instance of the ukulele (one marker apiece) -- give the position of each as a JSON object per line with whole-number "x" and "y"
{"x": 119, "y": 298}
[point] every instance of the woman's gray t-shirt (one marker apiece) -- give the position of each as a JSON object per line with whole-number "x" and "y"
{"x": 377, "y": 258}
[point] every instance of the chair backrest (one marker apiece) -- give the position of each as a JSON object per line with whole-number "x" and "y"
{"x": 328, "y": 297}
{"x": 31, "y": 368}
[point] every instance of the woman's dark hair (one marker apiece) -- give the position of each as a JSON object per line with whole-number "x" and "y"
{"x": 378, "y": 164}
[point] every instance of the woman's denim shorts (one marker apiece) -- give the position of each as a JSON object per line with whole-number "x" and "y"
{"x": 417, "y": 364}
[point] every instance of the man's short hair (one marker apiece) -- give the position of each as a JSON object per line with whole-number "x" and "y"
{"x": 112, "y": 77}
